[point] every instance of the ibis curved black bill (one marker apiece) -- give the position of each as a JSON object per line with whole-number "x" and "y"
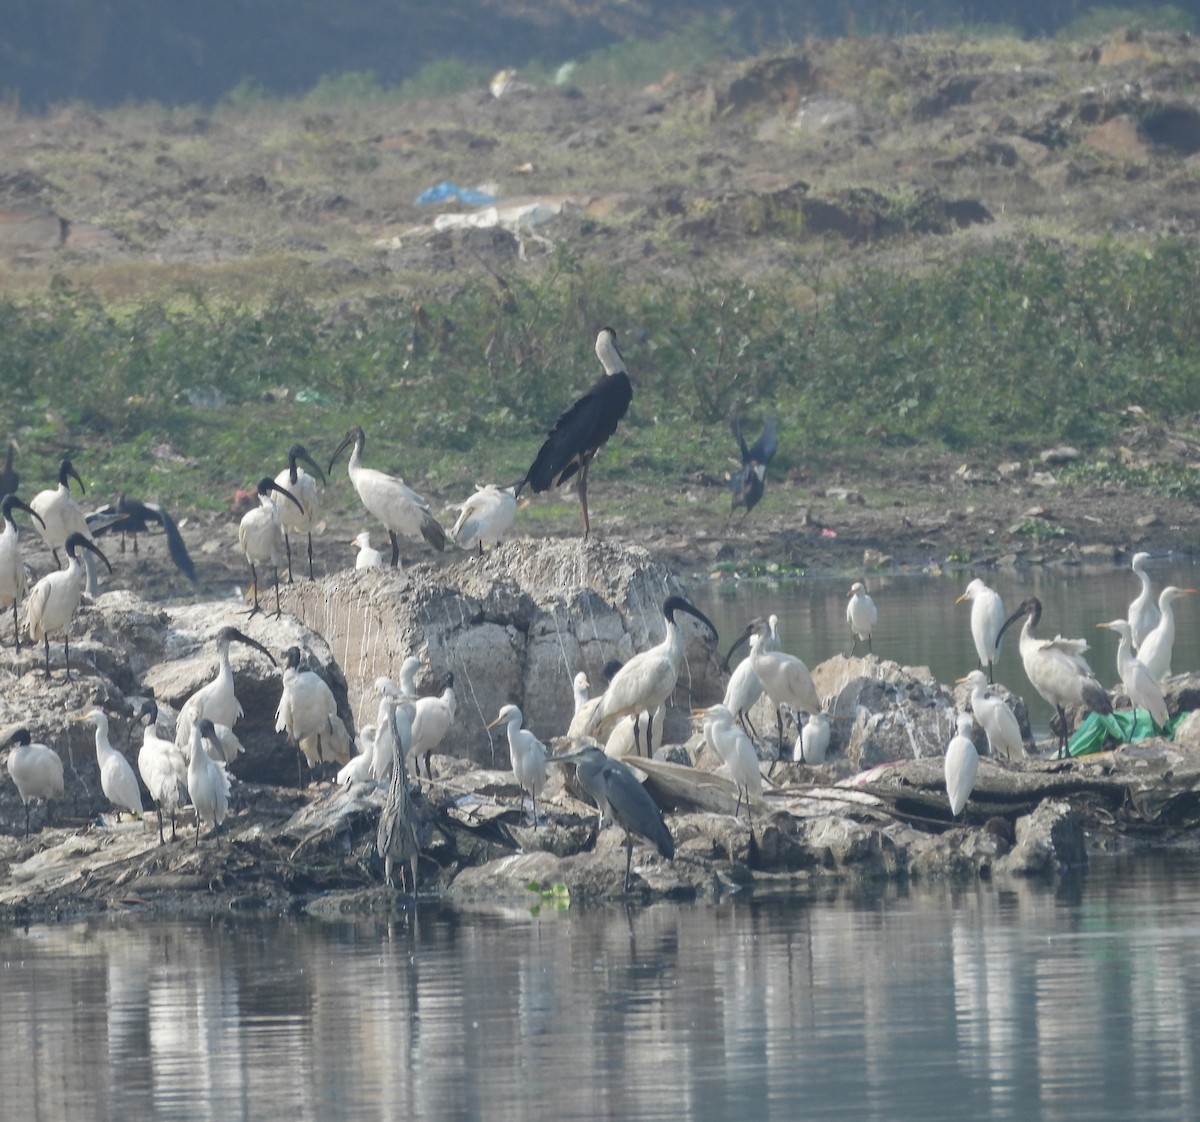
{"x": 298, "y": 452}
{"x": 229, "y": 635}
{"x": 11, "y": 501}
{"x": 77, "y": 542}
{"x": 354, "y": 436}
{"x": 266, "y": 486}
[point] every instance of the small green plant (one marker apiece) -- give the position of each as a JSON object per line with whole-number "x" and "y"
{"x": 557, "y": 896}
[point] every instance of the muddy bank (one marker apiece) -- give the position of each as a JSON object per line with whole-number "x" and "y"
{"x": 512, "y": 627}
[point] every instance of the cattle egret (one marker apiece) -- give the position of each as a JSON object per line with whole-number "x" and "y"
{"x": 359, "y": 769}
{"x": 303, "y": 488}
{"x": 117, "y": 778}
{"x": 307, "y": 713}
{"x": 581, "y": 431}
{"x": 12, "y": 566}
{"x": 485, "y": 517}
{"x": 861, "y": 615}
{"x": 163, "y": 768}
{"x": 526, "y": 753}
{"x": 1140, "y": 686}
{"x": 1157, "y": 647}
{"x": 401, "y": 510}
{"x": 648, "y": 679}
{"x": 1143, "y": 612}
{"x": 60, "y": 514}
{"x": 812, "y": 743}
{"x": 35, "y": 769}
{"x": 736, "y": 750}
{"x": 1057, "y": 669}
{"x": 367, "y": 557}
{"x": 260, "y": 534}
{"x": 619, "y": 796}
{"x": 432, "y": 718}
{"x": 217, "y": 700}
{"x": 961, "y": 765}
{"x": 207, "y": 780}
{"x": 54, "y": 600}
{"x": 996, "y": 719}
{"x": 987, "y": 617}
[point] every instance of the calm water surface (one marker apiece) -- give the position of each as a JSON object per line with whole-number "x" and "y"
{"x": 920, "y": 624}
{"x": 927, "y": 1002}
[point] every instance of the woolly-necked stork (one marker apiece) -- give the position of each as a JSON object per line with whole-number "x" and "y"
{"x": 750, "y": 480}
{"x": 136, "y": 517}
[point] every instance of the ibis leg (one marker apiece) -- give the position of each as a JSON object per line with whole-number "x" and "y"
{"x": 161, "y": 837}
{"x": 395, "y": 549}
{"x": 46, "y": 640}
{"x": 27, "y": 819}
{"x": 311, "y": 575}
{"x": 256, "y": 609}
{"x": 278, "y": 608}
{"x": 67, "y": 650}
{"x": 16, "y": 628}
{"x": 287, "y": 544}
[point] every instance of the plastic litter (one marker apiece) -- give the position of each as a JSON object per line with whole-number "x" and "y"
{"x": 1099, "y": 731}
{"x": 447, "y": 191}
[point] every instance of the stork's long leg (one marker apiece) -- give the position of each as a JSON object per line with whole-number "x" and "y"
{"x": 584, "y": 463}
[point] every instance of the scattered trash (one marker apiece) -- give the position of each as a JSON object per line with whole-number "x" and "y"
{"x": 1123, "y": 726}
{"x": 519, "y": 214}
{"x": 502, "y": 81}
{"x": 311, "y": 397}
{"x": 446, "y": 191}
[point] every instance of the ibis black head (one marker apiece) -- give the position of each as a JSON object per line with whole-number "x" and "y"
{"x": 355, "y": 436}
{"x": 448, "y": 680}
{"x": 675, "y": 604}
{"x": 208, "y": 731}
{"x": 10, "y": 501}
{"x": 66, "y": 471}
{"x": 20, "y": 738}
{"x": 229, "y": 635}
{"x": 266, "y": 485}
{"x": 77, "y": 541}
{"x": 757, "y": 626}
{"x": 149, "y": 712}
{"x": 292, "y": 655}
{"x": 1031, "y": 608}
{"x": 299, "y": 452}
{"x": 611, "y": 668}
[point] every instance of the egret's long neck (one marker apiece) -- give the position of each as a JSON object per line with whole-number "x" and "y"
{"x": 1125, "y": 650}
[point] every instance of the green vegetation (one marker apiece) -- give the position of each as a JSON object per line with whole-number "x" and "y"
{"x": 1011, "y": 348}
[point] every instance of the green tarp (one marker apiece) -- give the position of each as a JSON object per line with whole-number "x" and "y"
{"x": 1123, "y": 726}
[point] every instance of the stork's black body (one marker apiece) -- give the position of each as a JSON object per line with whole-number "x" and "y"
{"x": 139, "y": 517}
{"x": 582, "y": 430}
{"x": 10, "y": 478}
{"x": 750, "y": 480}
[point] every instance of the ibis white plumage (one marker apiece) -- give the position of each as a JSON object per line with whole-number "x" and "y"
{"x": 307, "y": 713}
{"x": 163, "y": 768}
{"x": 260, "y": 534}
{"x": 207, "y": 780}
{"x": 996, "y": 719}
{"x": 1057, "y": 669}
{"x": 401, "y": 510}
{"x": 303, "y": 488}
{"x": 987, "y": 618}
{"x": 60, "y": 515}
{"x": 12, "y": 566}
{"x": 861, "y": 615}
{"x": 217, "y": 700}
{"x": 961, "y": 765}
{"x": 784, "y": 677}
{"x": 1157, "y": 647}
{"x": 648, "y": 679}
{"x": 117, "y": 778}
{"x": 485, "y": 517}
{"x": 1141, "y": 687}
{"x": 54, "y": 600}
{"x": 1143, "y": 611}
{"x": 526, "y": 753}
{"x": 36, "y": 769}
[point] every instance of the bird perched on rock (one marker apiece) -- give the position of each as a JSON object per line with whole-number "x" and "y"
{"x": 432, "y": 718}
{"x": 526, "y": 753}
{"x": 1157, "y": 647}
{"x": 307, "y": 712}
{"x": 736, "y": 752}
{"x": 485, "y": 517}
{"x": 582, "y": 430}
{"x": 812, "y": 743}
{"x": 163, "y": 768}
{"x": 260, "y": 533}
{"x": 207, "y": 780}
{"x": 861, "y": 615}
{"x": 134, "y": 517}
{"x": 397, "y": 837}
{"x": 987, "y": 617}
{"x": 117, "y": 778}
{"x": 55, "y": 599}
{"x": 303, "y": 487}
{"x": 620, "y": 797}
{"x": 1140, "y": 686}
{"x": 12, "y": 566}
{"x": 996, "y": 719}
{"x": 60, "y": 515}
{"x": 961, "y": 765}
{"x": 748, "y": 483}
{"x": 36, "y": 769}
{"x": 217, "y": 700}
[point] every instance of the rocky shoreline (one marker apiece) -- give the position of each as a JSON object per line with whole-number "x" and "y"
{"x": 515, "y": 625}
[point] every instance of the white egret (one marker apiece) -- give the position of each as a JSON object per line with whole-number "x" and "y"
{"x": 785, "y": 680}
{"x": 359, "y": 769}
{"x": 163, "y": 768}
{"x": 648, "y": 679}
{"x": 307, "y": 713}
{"x": 367, "y": 557}
{"x": 741, "y": 692}
{"x": 12, "y": 566}
{"x": 1157, "y": 647}
{"x": 260, "y": 534}
{"x": 1143, "y": 612}
{"x": 1057, "y": 669}
{"x": 397, "y": 838}
{"x": 217, "y": 699}
{"x": 389, "y": 498}
{"x": 812, "y": 743}
{"x": 582, "y": 430}
{"x": 987, "y": 617}
{"x": 60, "y": 515}
{"x": 485, "y": 517}
{"x": 619, "y": 796}
{"x": 207, "y": 780}
{"x": 118, "y": 780}
{"x": 861, "y": 615}
{"x": 623, "y": 740}
{"x": 579, "y": 690}
{"x": 526, "y": 753}
{"x": 54, "y": 600}
{"x": 996, "y": 719}
{"x": 1141, "y": 687}
{"x": 303, "y": 488}
{"x": 961, "y": 765}
{"x": 36, "y": 769}
{"x": 736, "y": 750}
{"x": 432, "y": 718}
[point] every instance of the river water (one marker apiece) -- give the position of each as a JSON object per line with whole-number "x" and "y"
{"x": 1021, "y": 1001}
